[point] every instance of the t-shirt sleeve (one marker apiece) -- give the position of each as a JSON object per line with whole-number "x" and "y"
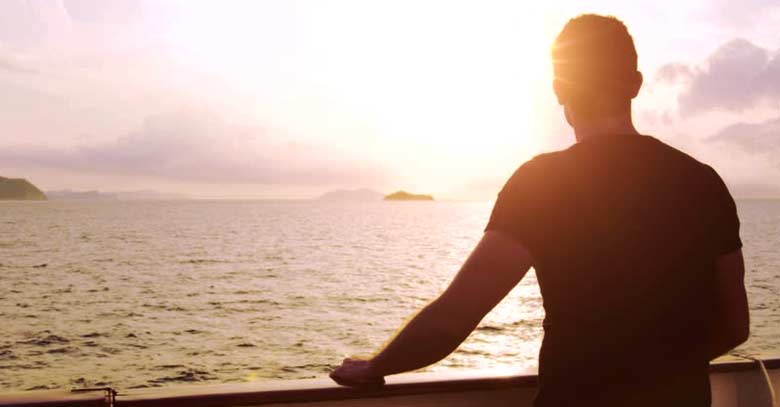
{"x": 518, "y": 211}
{"x": 724, "y": 221}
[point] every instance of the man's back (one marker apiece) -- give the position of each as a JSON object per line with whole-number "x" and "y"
{"x": 624, "y": 231}
{"x": 635, "y": 246}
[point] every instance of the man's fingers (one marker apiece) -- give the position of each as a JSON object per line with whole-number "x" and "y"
{"x": 373, "y": 382}
{"x": 348, "y": 375}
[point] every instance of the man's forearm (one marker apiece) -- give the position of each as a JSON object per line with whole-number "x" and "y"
{"x": 425, "y": 340}
{"x": 496, "y": 265}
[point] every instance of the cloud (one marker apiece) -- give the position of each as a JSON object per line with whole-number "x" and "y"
{"x": 30, "y": 23}
{"x": 200, "y": 146}
{"x": 108, "y": 11}
{"x": 671, "y": 73}
{"x": 9, "y": 64}
{"x": 738, "y": 76}
{"x": 758, "y": 139}
{"x": 742, "y": 12}
{"x": 750, "y": 155}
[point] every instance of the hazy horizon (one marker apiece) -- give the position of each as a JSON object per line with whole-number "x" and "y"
{"x": 740, "y": 192}
{"x": 291, "y": 99}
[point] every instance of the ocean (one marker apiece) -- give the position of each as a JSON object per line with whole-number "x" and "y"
{"x": 146, "y": 294}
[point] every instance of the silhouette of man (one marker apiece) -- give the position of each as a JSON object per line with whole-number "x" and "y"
{"x": 635, "y": 245}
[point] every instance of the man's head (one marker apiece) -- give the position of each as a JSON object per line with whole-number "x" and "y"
{"x": 595, "y": 67}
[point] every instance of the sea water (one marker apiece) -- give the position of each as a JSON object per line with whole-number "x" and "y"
{"x": 147, "y": 294}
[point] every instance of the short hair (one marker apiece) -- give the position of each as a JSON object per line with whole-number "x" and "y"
{"x": 594, "y": 57}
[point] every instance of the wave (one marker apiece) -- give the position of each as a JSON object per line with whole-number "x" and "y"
{"x": 476, "y": 352}
{"x": 96, "y": 335}
{"x": 203, "y": 261}
{"x": 7, "y": 355}
{"x": 50, "y": 339}
{"x": 310, "y": 367}
{"x": 63, "y": 350}
{"x": 189, "y": 375}
{"x": 490, "y": 328}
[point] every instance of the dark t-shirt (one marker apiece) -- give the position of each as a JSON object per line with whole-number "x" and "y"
{"x": 624, "y": 231}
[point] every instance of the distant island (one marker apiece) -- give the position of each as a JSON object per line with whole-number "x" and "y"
{"x": 19, "y": 189}
{"x": 143, "y": 195}
{"x": 405, "y": 196}
{"x": 342, "y": 195}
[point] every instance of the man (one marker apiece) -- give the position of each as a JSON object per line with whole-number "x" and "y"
{"x": 635, "y": 244}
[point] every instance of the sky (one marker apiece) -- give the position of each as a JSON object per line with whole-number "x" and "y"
{"x": 291, "y": 98}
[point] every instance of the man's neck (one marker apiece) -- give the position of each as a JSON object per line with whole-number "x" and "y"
{"x": 604, "y": 126}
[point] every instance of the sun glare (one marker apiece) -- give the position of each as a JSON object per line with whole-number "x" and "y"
{"x": 446, "y": 84}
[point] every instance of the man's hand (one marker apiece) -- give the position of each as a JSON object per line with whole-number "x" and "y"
{"x": 356, "y": 373}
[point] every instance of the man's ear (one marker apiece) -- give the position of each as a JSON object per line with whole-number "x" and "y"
{"x": 559, "y": 89}
{"x": 637, "y": 84}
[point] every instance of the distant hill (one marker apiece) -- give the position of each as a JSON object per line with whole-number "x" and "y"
{"x": 148, "y": 195}
{"x": 352, "y": 195}
{"x": 19, "y": 189}
{"x": 67, "y": 194}
{"x": 144, "y": 195}
{"x": 405, "y": 196}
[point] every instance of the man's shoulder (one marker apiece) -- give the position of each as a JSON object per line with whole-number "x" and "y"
{"x": 561, "y": 164}
{"x": 549, "y": 163}
{"x": 547, "y": 160}
{"x": 538, "y": 173}
{"x": 674, "y": 155}
{"x": 671, "y": 150}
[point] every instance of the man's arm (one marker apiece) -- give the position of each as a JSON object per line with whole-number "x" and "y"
{"x": 732, "y": 319}
{"x": 495, "y": 266}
